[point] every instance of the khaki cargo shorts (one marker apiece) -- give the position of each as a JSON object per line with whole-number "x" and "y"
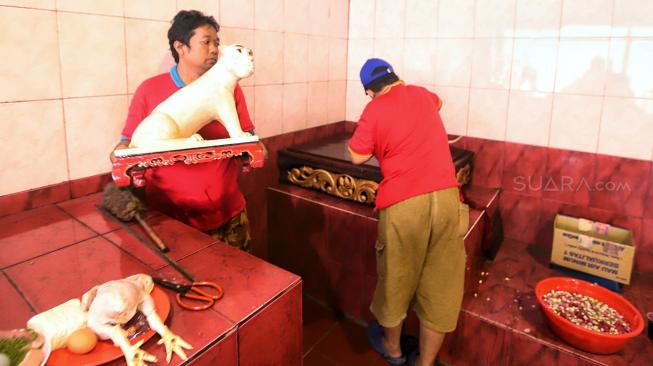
{"x": 420, "y": 258}
{"x": 234, "y": 232}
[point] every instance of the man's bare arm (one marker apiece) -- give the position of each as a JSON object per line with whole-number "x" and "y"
{"x": 358, "y": 158}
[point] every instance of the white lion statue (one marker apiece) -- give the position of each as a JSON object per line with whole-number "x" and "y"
{"x": 210, "y": 97}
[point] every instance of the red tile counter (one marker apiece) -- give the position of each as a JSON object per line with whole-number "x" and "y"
{"x": 52, "y": 254}
{"x": 330, "y": 243}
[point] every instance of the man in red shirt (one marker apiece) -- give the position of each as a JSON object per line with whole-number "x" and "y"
{"x": 205, "y": 196}
{"x": 422, "y": 222}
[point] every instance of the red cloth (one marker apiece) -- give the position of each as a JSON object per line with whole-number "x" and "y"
{"x": 205, "y": 195}
{"x": 404, "y": 131}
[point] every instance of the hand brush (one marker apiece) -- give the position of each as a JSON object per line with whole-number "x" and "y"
{"x": 123, "y": 204}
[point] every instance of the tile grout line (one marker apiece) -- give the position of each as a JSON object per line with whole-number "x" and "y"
{"x": 62, "y": 102}
{"x": 20, "y": 293}
{"x": 59, "y": 248}
{"x": 322, "y": 338}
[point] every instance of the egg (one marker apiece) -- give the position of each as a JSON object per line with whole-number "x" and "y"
{"x": 4, "y": 360}
{"x": 81, "y": 341}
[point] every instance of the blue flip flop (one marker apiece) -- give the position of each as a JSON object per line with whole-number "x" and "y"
{"x": 375, "y": 338}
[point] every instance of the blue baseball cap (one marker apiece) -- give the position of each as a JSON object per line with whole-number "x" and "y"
{"x": 367, "y": 71}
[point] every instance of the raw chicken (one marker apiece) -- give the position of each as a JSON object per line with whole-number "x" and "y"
{"x": 113, "y": 303}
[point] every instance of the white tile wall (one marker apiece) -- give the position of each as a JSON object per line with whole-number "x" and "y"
{"x": 37, "y": 131}
{"x": 295, "y": 104}
{"x": 537, "y": 18}
{"x": 529, "y": 117}
{"x": 632, "y": 18}
{"x": 337, "y": 57}
{"x": 269, "y": 56}
{"x": 211, "y": 7}
{"x": 362, "y": 14}
{"x": 339, "y": 19}
{"x": 582, "y": 66}
{"x": 575, "y": 122}
{"x": 494, "y": 18}
{"x": 488, "y": 111}
{"x": 143, "y": 9}
{"x": 389, "y": 19}
{"x": 269, "y": 15}
{"x": 336, "y": 100}
{"x": 147, "y": 50}
{"x": 586, "y": 18}
{"x": 91, "y": 56}
{"x": 31, "y": 4}
{"x": 419, "y": 61}
{"x": 534, "y": 64}
{"x": 629, "y": 68}
{"x": 295, "y": 56}
{"x": 92, "y": 61}
{"x": 268, "y": 106}
{"x": 238, "y": 14}
{"x": 455, "y": 108}
{"x": 91, "y": 131}
{"x": 456, "y": 18}
{"x": 295, "y": 16}
{"x": 421, "y": 18}
{"x": 566, "y": 74}
{"x": 627, "y": 127}
{"x": 491, "y": 63}
{"x": 42, "y": 55}
{"x": 318, "y": 99}
{"x": 453, "y": 62}
{"x": 101, "y": 7}
{"x": 318, "y": 58}
{"x": 318, "y": 17}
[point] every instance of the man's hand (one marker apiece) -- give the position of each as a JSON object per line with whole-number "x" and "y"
{"x": 265, "y": 151}
{"x": 120, "y": 145}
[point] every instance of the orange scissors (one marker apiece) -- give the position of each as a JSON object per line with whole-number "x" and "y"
{"x": 195, "y": 295}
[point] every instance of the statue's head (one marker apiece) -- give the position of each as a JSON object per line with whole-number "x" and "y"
{"x": 237, "y": 59}
{"x": 143, "y": 280}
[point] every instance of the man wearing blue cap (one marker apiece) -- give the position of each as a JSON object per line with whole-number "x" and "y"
{"x": 420, "y": 251}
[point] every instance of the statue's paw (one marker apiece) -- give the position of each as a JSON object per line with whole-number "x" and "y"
{"x": 135, "y": 356}
{"x": 196, "y": 137}
{"x": 242, "y": 134}
{"x": 174, "y": 343}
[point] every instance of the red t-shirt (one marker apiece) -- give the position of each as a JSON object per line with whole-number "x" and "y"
{"x": 403, "y": 130}
{"x": 205, "y": 195}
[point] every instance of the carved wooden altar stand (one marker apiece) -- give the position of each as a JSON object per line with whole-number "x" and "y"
{"x": 130, "y": 164}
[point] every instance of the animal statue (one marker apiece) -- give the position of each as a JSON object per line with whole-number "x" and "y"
{"x": 104, "y": 309}
{"x": 208, "y": 98}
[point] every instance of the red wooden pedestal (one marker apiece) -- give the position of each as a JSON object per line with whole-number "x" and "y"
{"x": 130, "y": 170}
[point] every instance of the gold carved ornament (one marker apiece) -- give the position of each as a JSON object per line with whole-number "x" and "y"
{"x": 339, "y": 185}
{"x": 348, "y": 187}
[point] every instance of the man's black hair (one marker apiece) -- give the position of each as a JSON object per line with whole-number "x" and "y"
{"x": 184, "y": 25}
{"x": 380, "y": 83}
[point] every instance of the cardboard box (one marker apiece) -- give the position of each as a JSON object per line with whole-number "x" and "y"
{"x": 593, "y": 247}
